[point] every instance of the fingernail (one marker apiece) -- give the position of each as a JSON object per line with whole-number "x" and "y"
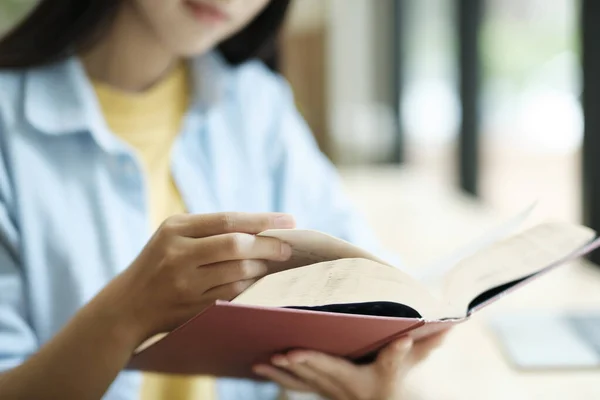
{"x": 298, "y": 358}
{"x": 280, "y": 361}
{"x": 284, "y": 222}
{"x": 286, "y": 251}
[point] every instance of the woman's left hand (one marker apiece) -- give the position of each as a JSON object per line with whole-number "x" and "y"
{"x": 339, "y": 379}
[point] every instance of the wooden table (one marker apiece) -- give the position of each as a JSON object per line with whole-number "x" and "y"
{"x": 422, "y": 219}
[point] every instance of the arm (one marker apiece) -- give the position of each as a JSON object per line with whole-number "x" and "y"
{"x": 190, "y": 262}
{"x": 81, "y": 361}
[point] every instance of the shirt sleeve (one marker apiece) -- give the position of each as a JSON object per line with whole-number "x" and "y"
{"x": 17, "y": 339}
{"x": 307, "y": 183}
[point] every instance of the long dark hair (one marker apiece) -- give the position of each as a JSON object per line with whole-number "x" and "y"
{"x": 56, "y": 29}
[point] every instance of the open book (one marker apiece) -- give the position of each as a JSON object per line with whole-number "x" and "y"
{"x": 337, "y": 298}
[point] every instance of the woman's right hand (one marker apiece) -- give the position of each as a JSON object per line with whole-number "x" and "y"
{"x": 191, "y": 261}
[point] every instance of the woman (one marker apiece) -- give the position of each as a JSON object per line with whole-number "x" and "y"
{"x": 123, "y": 117}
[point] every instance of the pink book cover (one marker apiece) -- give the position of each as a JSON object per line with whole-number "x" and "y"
{"x": 228, "y": 339}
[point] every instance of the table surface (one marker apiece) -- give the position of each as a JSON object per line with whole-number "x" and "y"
{"x": 420, "y": 220}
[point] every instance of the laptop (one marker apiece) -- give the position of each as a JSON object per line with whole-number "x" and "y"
{"x": 549, "y": 340}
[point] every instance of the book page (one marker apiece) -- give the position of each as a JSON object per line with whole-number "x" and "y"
{"x": 150, "y": 341}
{"x": 311, "y": 247}
{"x": 345, "y": 281}
{"x": 512, "y": 259}
{"x": 436, "y": 271}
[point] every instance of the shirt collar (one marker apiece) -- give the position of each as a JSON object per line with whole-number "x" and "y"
{"x": 59, "y": 98}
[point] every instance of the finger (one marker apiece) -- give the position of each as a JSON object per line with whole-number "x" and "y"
{"x": 422, "y": 349}
{"x": 226, "y": 292}
{"x": 232, "y": 271}
{"x": 205, "y": 225}
{"x": 433, "y": 341}
{"x": 236, "y": 246}
{"x": 393, "y": 358}
{"x": 282, "y": 378}
{"x": 346, "y": 375}
{"x": 318, "y": 381}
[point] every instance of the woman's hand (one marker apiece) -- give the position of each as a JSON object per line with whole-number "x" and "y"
{"x": 338, "y": 379}
{"x": 191, "y": 261}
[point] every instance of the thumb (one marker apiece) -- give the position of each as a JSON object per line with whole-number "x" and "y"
{"x": 391, "y": 359}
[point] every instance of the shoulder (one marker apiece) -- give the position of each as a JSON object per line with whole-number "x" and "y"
{"x": 255, "y": 104}
{"x": 245, "y": 87}
{"x": 259, "y": 97}
{"x": 255, "y": 72}
{"x": 267, "y": 96}
{"x": 256, "y": 81}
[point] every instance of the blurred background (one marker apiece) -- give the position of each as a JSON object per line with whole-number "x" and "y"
{"x": 340, "y": 56}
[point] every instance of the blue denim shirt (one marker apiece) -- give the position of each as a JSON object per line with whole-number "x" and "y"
{"x": 73, "y": 201}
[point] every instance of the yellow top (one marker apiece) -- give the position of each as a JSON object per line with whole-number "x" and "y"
{"x": 150, "y": 122}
